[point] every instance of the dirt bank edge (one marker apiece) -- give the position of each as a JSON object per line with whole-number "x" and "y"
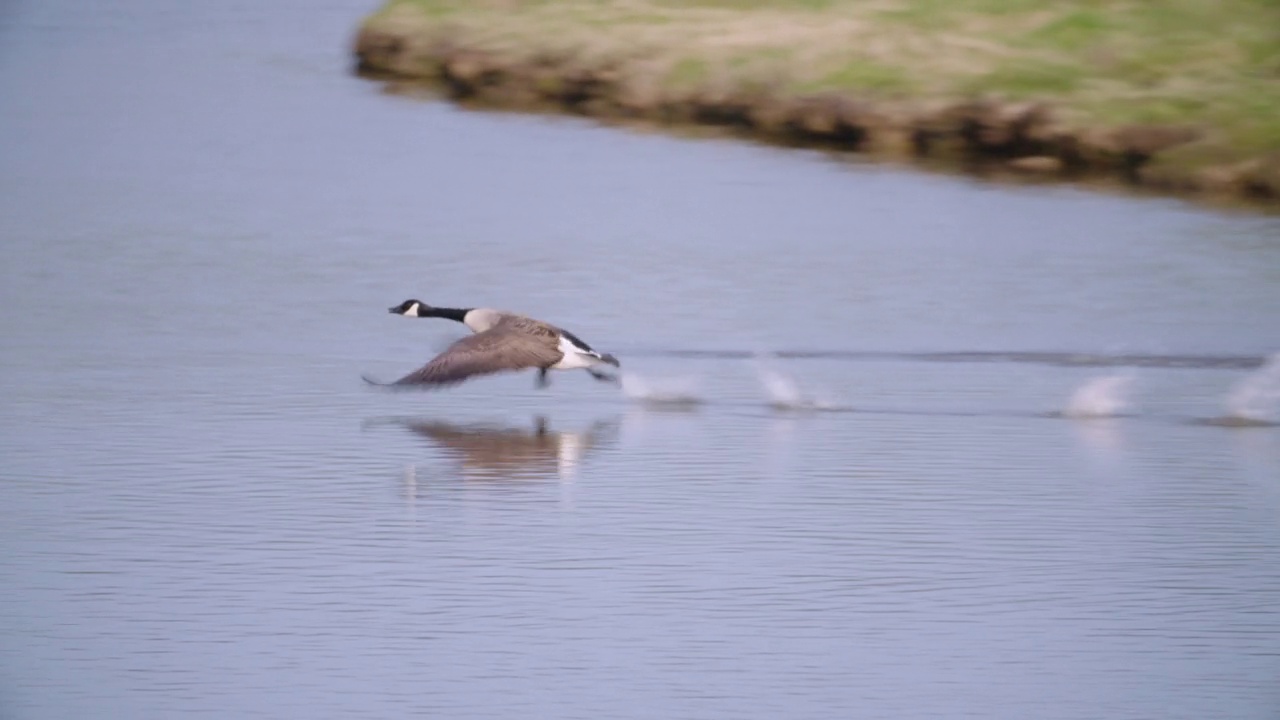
{"x": 980, "y": 135}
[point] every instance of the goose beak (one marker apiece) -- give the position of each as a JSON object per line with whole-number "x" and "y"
{"x": 393, "y": 311}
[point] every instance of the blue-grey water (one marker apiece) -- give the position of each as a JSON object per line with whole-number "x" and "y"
{"x": 204, "y": 512}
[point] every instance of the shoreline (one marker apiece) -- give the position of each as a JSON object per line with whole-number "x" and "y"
{"x": 1025, "y": 140}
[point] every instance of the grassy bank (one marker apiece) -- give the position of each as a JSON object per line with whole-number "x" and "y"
{"x": 1177, "y": 94}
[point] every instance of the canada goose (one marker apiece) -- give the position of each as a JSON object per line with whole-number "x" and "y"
{"x": 502, "y": 342}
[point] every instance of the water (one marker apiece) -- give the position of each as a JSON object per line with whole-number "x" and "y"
{"x": 784, "y": 392}
{"x": 1104, "y": 396}
{"x": 205, "y": 512}
{"x": 680, "y": 391}
{"x": 1256, "y": 398}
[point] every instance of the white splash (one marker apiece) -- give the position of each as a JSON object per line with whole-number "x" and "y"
{"x": 1106, "y": 396}
{"x": 1256, "y": 398}
{"x": 668, "y": 391}
{"x": 785, "y": 394}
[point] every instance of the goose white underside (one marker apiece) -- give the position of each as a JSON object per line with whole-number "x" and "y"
{"x": 575, "y": 358}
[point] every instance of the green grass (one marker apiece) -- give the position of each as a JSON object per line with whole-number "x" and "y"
{"x": 748, "y": 4}
{"x": 863, "y": 75}
{"x": 688, "y": 72}
{"x": 1072, "y": 32}
{"x": 1024, "y": 79}
{"x": 1214, "y": 64}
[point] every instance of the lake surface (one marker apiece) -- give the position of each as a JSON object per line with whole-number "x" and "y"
{"x": 204, "y": 512}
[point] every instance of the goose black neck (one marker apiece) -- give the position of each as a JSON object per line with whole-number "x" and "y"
{"x": 447, "y": 313}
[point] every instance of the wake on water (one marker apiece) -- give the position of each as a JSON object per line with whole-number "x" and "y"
{"x": 1255, "y": 400}
{"x": 1100, "y": 397}
{"x": 670, "y": 392}
{"x": 784, "y": 393}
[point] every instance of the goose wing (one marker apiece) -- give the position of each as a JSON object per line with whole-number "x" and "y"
{"x": 502, "y": 348}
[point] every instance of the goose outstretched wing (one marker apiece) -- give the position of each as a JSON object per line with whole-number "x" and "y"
{"x": 502, "y": 348}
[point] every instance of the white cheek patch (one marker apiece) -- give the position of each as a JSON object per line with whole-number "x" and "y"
{"x": 412, "y": 311}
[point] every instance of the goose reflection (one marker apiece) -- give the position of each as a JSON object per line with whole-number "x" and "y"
{"x": 496, "y": 452}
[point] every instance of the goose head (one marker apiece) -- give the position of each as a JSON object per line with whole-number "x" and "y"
{"x": 410, "y": 308}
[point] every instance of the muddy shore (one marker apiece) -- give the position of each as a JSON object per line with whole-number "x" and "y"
{"x": 986, "y": 136}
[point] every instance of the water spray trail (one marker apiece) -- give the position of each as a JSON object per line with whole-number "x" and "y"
{"x": 671, "y": 391}
{"x": 1105, "y": 396}
{"x": 1257, "y": 397}
{"x": 785, "y": 394}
